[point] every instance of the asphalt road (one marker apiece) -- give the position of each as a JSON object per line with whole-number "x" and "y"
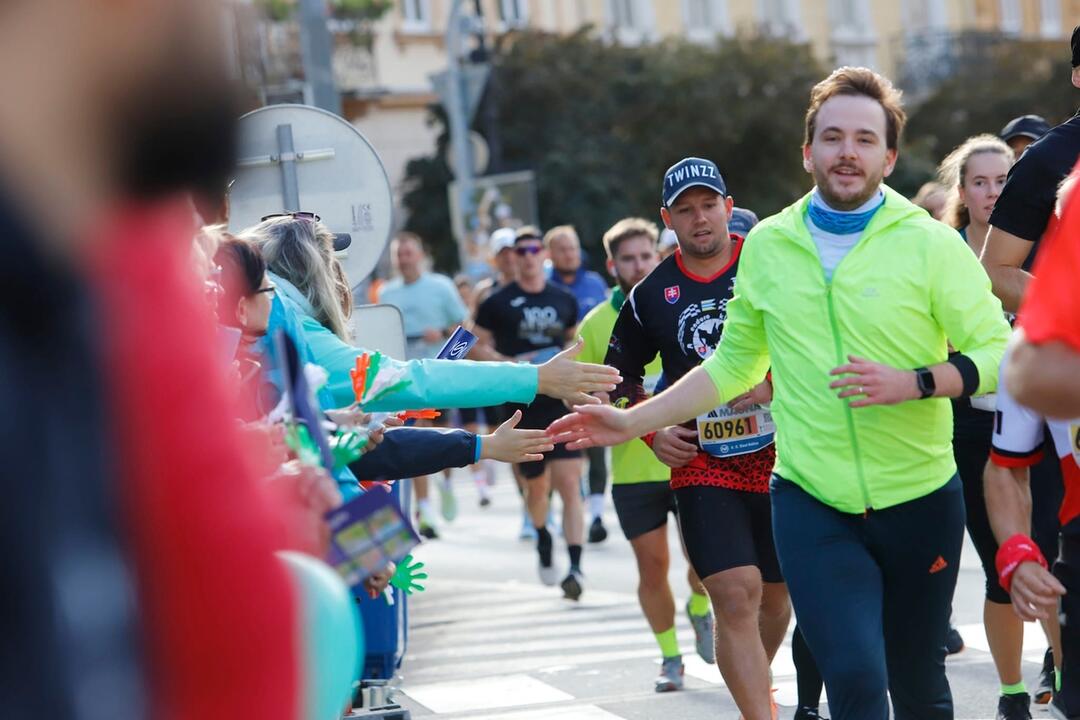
{"x": 488, "y": 641}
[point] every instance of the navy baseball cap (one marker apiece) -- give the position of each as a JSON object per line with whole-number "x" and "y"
{"x": 688, "y": 173}
{"x": 1030, "y": 126}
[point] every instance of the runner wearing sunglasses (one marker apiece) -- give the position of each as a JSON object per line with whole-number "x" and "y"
{"x": 531, "y": 320}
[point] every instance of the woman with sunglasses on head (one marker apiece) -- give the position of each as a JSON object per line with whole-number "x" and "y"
{"x": 311, "y": 301}
{"x": 245, "y": 303}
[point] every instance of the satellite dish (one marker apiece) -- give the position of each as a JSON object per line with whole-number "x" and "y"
{"x": 297, "y": 157}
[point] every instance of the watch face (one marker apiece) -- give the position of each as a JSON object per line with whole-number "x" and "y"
{"x": 926, "y": 382}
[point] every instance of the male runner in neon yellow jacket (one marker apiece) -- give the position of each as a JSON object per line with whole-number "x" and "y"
{"x": 853, "y": 295}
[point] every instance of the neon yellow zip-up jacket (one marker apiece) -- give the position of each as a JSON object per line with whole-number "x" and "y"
{"x": 906, "y": 286}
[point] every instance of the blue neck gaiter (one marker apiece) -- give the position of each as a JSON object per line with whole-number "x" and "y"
{"x": 840, "y": 222}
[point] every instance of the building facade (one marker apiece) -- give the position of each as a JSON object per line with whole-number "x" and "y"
{"x": 385, "y": 81}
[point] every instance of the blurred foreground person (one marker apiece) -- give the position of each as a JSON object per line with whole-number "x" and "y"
{"x": 126, "y": 481}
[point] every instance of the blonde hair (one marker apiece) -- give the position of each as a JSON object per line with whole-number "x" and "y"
{"x": 627, "y": 228}
{"x": 560, "y": 231}
{"x": 301, "y": 251}
{"x": 952, "y": 173}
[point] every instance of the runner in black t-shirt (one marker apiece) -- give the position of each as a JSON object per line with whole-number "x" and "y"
{"x": 720, "y": 464}
{"x": 1026, "y": 205}
{"x": 531, "y": 320}
{"x": 1022, "y": 215}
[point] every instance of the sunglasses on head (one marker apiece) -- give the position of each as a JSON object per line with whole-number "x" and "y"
{"x": 298, "y": 215}
{"x": 524, "y": 250}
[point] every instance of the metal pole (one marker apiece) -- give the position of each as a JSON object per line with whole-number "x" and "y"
{"x": 459, "y": 126}
{"x": 290, "y": 189}
{"x": 316, "y": 48}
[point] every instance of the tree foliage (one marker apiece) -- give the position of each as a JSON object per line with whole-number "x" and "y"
{"x": 599, "y": 123}
{"x": 1003, "y": 82}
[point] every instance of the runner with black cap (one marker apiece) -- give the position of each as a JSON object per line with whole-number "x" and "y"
{"x": 1021, "y": 131}
{"x": 722, "y": 461}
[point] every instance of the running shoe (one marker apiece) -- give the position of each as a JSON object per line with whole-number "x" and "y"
{"x": 485, "y": 502}
{"x": 1014, "y": 707}
{"x": 954, "y": 643}
{"x": 549, "y": 574}
{"x": 671, "y": 675}
{"x": 597, "y": 531}
{"x": 1047, "y": 680}
{"x": 448, "y": 503}
{"x": 573, "y": 585}
{"x": 703, "y": 635}
{"x": 528, "y": 532}
{"x": 807, "y": 713}
{"x": 427, "y": 531}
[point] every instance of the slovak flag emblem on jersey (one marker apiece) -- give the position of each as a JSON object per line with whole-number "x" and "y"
{"x": 671, "y": 294}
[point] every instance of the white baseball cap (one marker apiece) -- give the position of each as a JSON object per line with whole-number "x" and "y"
{"x": 502, "y": 239}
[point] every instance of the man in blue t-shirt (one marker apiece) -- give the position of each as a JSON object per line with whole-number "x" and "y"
{"x": 589, "y": 288}
{"x": 429, "y": 302}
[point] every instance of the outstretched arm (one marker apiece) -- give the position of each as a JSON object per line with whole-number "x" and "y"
{"x": 602, "y": 425}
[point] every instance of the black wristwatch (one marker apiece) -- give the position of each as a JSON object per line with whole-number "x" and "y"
{"x": 924, "y": 378}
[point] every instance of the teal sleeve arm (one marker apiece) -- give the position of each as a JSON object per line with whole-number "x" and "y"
{"x": 347, "y": 484}
{"x": 433, "y": 383}
{"x": 969, "y": 312}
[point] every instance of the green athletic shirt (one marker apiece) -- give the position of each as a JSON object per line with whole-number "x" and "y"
{"x": 632, "y": 462}
{"x": 905, "y": 287}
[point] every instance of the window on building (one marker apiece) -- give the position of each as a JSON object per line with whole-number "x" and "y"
{"x": 922, "y": 15}
{"x": 1050, "y": 18}
{"x": 851, "y": 17}
{"x": 853, "y": 38}
{"x": 780, "y": 18}
{"x": 514, "y": 13}
{"x": 705, "y": 19}
{"x": 631, "y": 21}
{"x": 416, "y": 14}
{"x": 1012, "y": 22}
{"x": 624, "y": 13}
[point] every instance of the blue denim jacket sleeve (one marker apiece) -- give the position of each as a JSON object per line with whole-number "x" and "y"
{"x": 410, "y": 452}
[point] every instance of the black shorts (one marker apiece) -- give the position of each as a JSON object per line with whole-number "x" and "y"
{"x": 643, "y": 507}
{"x": 537, "y": 416}
{"x": 496, "y": 415}
{"x": 725, "y": 529}
{"x": 971, "y": 449}
{"x": 468, "y": 416}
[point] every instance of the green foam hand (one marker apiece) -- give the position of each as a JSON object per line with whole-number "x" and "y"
{"x": 299, "y": 440}
{"x": 406, "y": 575}
{"x": 347, "y": 448}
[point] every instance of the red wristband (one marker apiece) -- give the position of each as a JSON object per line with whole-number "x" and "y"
{"x": 1014, "y": 552}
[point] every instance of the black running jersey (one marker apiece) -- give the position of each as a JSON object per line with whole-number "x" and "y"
{"x": 681, "y": 316}
{"x": 674, "y": 313}
{"x": 522, "y": 322}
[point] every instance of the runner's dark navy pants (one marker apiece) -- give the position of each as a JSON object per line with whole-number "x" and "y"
{"x": 872, "y": 594}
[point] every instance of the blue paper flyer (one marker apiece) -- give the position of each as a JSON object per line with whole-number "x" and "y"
{"x": 366, "y": 534}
